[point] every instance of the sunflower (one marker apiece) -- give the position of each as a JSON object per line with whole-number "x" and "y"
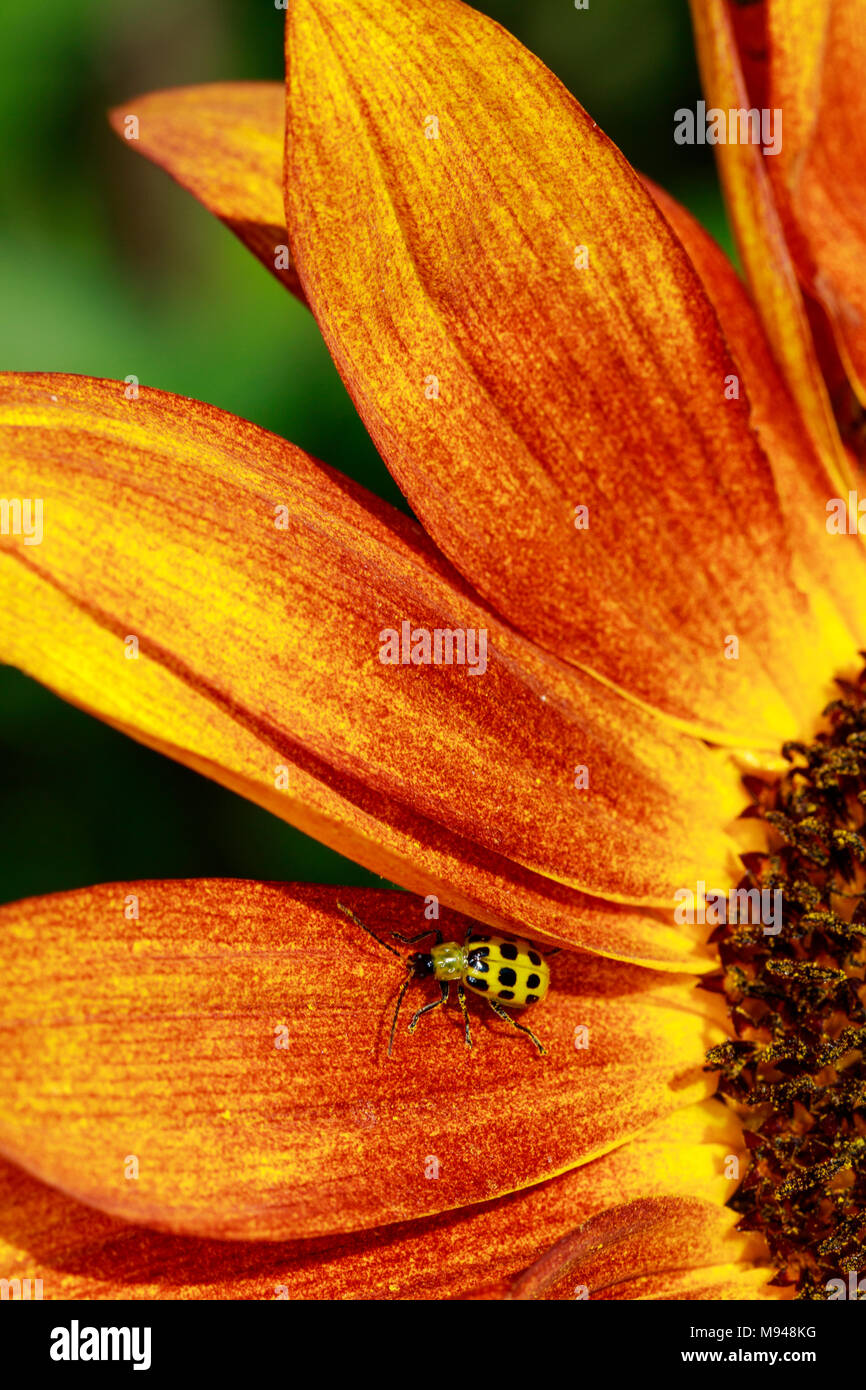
{"x": 621, "y": 462}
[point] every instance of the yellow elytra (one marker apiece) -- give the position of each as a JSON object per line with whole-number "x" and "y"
{"x": 513, "y": 972}
{"x": 508, "y": 974}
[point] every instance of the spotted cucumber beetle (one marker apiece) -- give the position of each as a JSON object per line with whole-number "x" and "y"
{"x": 508, "y": 974}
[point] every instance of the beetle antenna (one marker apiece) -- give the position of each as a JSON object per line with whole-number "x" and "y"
{"x": 403, "y": 988}
{"x": 347, "y": 912}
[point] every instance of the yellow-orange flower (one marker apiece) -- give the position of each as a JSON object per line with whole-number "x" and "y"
{"x": 561, "y": 380}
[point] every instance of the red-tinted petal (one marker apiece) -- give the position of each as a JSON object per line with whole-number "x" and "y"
{"x": 761, "y": 233}
{"x": 648, "y": 1239}
{"x": 216, "y": 1064}
{"x": 81, "y": 1253}
{"x": 506, "y": 384}
{"x": 827, "y": 563}
{"x": 224, "y": 142}
{"x": 254, "y": 587}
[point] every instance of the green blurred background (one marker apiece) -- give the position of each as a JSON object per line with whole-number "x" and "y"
{"x": 107, "y": 268}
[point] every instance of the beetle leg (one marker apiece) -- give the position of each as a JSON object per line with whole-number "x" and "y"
{"x": 413, "y": 940}
{"x": 445, "y": 987}
{"x": 461, "y": 995}
{"x": 504, "y": 1014}
{"x": 347, "y": 912}
{"x": 403, "y": 988}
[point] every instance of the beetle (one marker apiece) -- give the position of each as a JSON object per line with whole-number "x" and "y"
{"x": 508, "y": 974}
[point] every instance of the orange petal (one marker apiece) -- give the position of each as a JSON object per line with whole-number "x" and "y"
{"x": 647, "y": 1239}
{"x": 760, "y": 233}
{"x": 216, "y": 1064}
{"x": 826, "y": 563}
{"x": 505, "y": 386}
{"x": 224, "y": 142}
{"x": 255, "y": 585}
{"x": 81, "y": 1253}
{"x": 715, "y": 1283}
{"x": 817, "y": 57}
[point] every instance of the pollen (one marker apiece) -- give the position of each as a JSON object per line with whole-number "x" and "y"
{"x": 795, "y": 1068}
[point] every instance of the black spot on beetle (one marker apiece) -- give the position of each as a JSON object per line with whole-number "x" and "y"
{"x": 507, "y": 976}
{"x": 533, "y": 981}
{"x": 477, "y": 962}
{"x": 532, "y": 998}
{"x": 508, "y": 950}
{"x": 535, "y": 957}
{"x": 505, "y": 994}
{"x": 474, "y": 981}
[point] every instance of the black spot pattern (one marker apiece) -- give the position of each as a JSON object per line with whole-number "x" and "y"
{"x": 507, "y": 976}
{"x": 533, "y": 981}
{"x": 508, "y": 950}
{"x": 535, "y": 957}
{"x": 532, "y": 998}
{"x": 474, "y": 981}
{"x": 506, "y": 994}
{"x": 477, "y": 961}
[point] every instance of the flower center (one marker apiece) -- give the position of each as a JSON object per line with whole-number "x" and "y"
{"x": 795, "y": 1069}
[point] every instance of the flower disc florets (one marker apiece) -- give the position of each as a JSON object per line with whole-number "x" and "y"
{"x": 795, "y": 1069}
